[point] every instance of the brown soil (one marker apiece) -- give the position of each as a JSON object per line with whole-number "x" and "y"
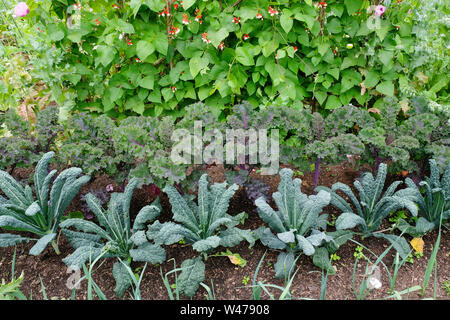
{"x": 226, "y": 278}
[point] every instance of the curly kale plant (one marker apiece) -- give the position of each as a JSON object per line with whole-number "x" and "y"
{"x": 401, "y": 143}
{"x": 373, "y": 206}
{"x": 23, "y": 143}
{"x": 115, "y": 237}
{"x": 205, "y": 225}
{"x": 146, "y": 141}
{"x": 296, "y": 224}
{"x": 16, "y": 146}
{"x": 20, "y": 211}
{"x": 88, "y": 144}
{"x": 331, "y": 139}
{"x": 433, "y": 204}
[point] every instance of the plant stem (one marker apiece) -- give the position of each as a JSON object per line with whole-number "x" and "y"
{"x": 55, "y": 246}
{"x": 316, "y": 172}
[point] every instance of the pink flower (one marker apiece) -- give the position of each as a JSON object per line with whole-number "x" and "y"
{"x": 110, "y": 187}
{"x": 379, "y": 10}
{"x": 21, "y": 9}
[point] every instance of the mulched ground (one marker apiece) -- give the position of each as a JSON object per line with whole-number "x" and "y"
{"x": 226, "y": 278}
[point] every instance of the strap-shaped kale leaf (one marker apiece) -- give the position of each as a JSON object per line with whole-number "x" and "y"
{"x": 296, "y": 224}
{"x": 41, "y": 216}
{"x": 115, "y": 237}
{"x": 205, "y": 224}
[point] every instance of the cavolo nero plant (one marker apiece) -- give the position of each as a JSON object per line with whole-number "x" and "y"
{"x": 297, "y": 225}
{"x": 20, "y": 211}
{"x": 372, "y": 206}
{"x": 115, "y": 236}
{"x": 205, "y": 225}
{"x": 433, "y": 203}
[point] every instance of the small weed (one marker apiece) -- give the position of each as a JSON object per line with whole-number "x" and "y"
{"x": 446, "y": 286}
{"x": 411, "y": 256}
{"x": 335, "y": 257}
{"x": 332, "y": 223}
{"x": 358, "y": 254}
{"x": 395, "y": 216}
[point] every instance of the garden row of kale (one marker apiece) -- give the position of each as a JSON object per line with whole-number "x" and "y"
{"x": 141, "y": 146}
{"x": 298, "y": 225}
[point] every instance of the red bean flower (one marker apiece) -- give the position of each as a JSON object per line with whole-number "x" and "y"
{"x": 205, "y": 37}
{"x": 198, "y": 16}
{"x": 272, "y": 11}
{"x": 164, "y": 13}
{"x": 186, "y": 19}
{"x": 174, "y": 31}
{"x": 322, "y": 4}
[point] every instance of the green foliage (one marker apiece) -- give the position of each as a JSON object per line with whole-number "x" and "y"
{"x": 406, "y": 132}
{"x": 430, "y": 52}
{"x": 135, "y": 59}
{"x": 433, "y": 203}
{"x": 206, "y": 225}
{"x": 87, "y": 142}
{"x": 202, "y": 224}
{"x": 446, "y": 286}
{"x": 115, "y": 237}
{"x": 11, "y": 290}
{"x": 296, "y": 224}
{"x": 24, "y": 143}
{"x": 146, "y": 141}
{"x": 20, "y": 211}
{"x": 16, "y": 146}
{"x": 373, "y": 206}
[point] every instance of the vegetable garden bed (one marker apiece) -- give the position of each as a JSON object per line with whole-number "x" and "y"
{"x": 121, "y": 178}
{"x": 230, "y": 281}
